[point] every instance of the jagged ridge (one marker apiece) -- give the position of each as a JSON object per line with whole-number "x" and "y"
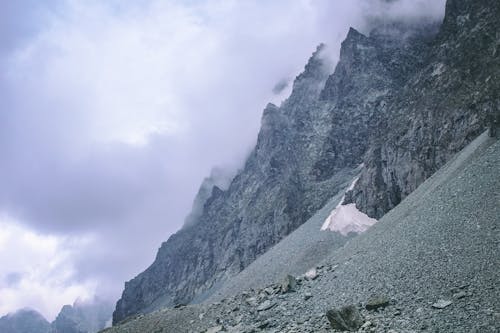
{"x": 384, "y": 105}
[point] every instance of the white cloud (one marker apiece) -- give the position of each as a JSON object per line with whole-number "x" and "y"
{"x": 113, "y": 112}
{"x": 42, "y": 267}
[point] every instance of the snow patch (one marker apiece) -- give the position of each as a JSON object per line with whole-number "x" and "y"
{"x": 347, "y": 218}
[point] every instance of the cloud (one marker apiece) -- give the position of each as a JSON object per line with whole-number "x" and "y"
{"x": 112, "y": 113}
{"x": 37, "y": 270}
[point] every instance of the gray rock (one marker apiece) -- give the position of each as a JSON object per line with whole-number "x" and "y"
{"x": 288, "y": 284}
{"x": 215, "y": 329}
{"x": 377, "y": 302}
{"x": 460, "y": 295}
{"x": 441, "y": 304}
{"x": 266, "y": 305}
{"x": 311, "y": 274}
{"x": 346, "y": 318}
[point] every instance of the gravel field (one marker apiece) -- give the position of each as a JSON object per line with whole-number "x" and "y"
{"x": 432, "y": 264}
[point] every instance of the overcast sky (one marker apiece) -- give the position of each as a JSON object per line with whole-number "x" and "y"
{"x": 112, "y": 113}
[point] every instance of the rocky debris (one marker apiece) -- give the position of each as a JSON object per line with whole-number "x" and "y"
{"x": 288, "y": 284}
{"x": 270, "y": 290}
{"x": 460, "y": 295}
{"x": 252, "y": 301}
{"x": 346, "y": 318}
{"x": 428, "y": 229}
{"x": 366, "y": 325}
{"x": 377, "y": 302}
{"x": 441, "y": 304}
{"x": 215, "y": 329}
{"x": 266, "y": 305}
{"x": 311, "y": 274}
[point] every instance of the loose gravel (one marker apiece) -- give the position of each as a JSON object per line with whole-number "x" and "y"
{"x": 432, "y": 264}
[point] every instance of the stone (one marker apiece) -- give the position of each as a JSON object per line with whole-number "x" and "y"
{"x": 252, "y": 301}
{"x": 289, "y": 283}
{"x": 460, "y": 295}
{"x": 366, "y": 325}
{"x": 307, "y": 296}
{"x": 266, "y": 305}
{"x": 270, "y": 290}
{"x": 346, "y": 318}
{"x": 311, "y": 274}
{"x": 215, "y": 329}
{"x": 377, "y": 302}
{"x": 441, "y": 304}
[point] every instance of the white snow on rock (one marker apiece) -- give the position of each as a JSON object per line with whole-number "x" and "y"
{"x": 311, "y": 274}
{"x": 347, "y": 218}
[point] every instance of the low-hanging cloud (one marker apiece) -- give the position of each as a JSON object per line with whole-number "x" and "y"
{"x": 112, "y": 113}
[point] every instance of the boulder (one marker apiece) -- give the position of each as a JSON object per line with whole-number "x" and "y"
{"x": 346, "y": 318}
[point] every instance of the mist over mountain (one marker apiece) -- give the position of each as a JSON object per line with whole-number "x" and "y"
{"x": 81, "y": 317}
{"x": 303, "y": 166}
{"x": 402, "y": 101}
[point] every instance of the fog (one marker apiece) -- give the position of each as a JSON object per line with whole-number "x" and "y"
{"x": 112, "y": 113}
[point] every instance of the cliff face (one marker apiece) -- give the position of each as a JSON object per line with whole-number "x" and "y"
{"x": 401, "y": 100}
{"x": 438, "y": 110}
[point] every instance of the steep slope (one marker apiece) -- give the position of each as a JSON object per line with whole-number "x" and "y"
{"x": 284, "y": 182}
{"x": 24, "y": 321}
{"x": 441, "y": 243}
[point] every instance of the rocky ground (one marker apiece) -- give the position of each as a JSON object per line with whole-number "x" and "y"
{"x": 430, "y": 265}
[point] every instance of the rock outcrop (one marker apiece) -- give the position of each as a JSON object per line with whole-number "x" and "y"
{"x": 438, "y": 110}
{"x": 402, "y": 101}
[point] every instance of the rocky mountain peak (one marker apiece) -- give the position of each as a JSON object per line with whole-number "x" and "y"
{"x": 399, "y": 106}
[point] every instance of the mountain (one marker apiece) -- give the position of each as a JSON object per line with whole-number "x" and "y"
{"x": 83, "y": 317}
{"x": 429, "y": 265}
{"x": 399, "y": 104}
{"x": 439, "y": 109}
{"x": 24, "y": 321}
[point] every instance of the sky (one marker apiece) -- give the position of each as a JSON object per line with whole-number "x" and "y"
{"x": 112, "y": 113}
